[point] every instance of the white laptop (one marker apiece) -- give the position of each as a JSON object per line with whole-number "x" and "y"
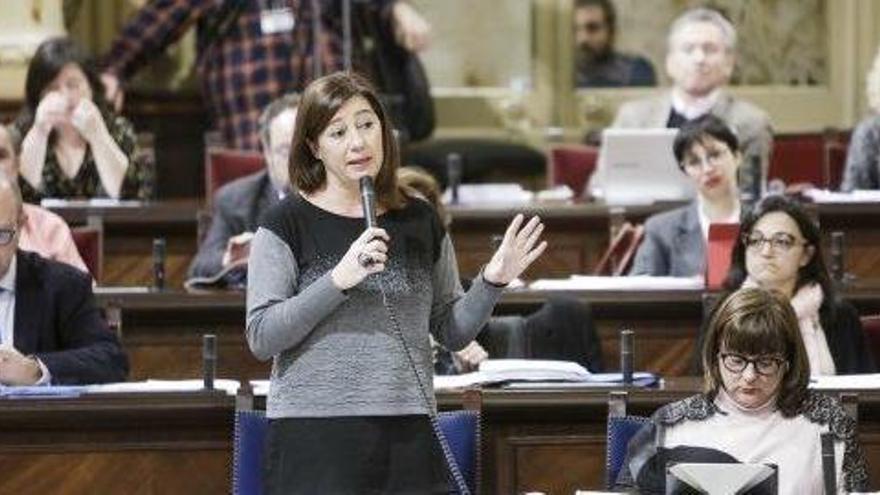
{"x": 636, "y": 166}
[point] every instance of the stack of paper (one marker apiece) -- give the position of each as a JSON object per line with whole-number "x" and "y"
{"x": 498, "y": 194}
{"x": 536, "y": 373}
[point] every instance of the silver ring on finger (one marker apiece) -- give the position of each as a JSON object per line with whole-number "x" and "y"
{"x": 365, "y": 260}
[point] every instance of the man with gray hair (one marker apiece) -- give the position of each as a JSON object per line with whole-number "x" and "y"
{"x": 700, "y": 60}
{"x": 239, "y": 204}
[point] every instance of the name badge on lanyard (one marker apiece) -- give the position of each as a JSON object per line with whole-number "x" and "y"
{"x": 277, "y": 20}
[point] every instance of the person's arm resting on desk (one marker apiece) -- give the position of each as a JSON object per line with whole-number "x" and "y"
{"x": 87, "y": 350}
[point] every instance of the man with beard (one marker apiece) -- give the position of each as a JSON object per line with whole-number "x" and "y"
{"x": 597, "y": 63}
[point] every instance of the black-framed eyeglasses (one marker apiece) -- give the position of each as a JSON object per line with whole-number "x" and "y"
{"x": 763, "y": 365}
{"x": 6, "y": 236}
{"x": 781, "y": 242}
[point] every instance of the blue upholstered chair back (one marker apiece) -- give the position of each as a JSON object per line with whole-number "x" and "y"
{"x": 620, "y": 430}
{"x": 461, "y": 429}
{"x": 462, "y": 432}
{"x": 247, "y": 460}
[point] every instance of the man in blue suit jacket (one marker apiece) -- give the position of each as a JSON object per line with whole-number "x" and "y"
{"x": 239, "y": 204}
{"x": 50, "y": 327}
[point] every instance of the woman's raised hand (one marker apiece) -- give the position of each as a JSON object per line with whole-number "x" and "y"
{"x": 518, "y": 249}
{"x": 51, "y": 111}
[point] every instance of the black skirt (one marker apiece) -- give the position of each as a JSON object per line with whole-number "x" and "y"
{"x": 357, "y": 455}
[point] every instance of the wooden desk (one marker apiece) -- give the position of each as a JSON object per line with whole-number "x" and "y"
{"x": 162, "y": 443}
{"x": 554, "y": 441}
{"x": 181, "y": 443}
{"x": 578, "y": 235}
{"x": 128, "y": 237}
{"x": 860, "y": 224}
{"x": 162, "y": 331}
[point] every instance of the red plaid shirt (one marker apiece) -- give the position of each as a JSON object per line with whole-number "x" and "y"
{"x": 242, "y": 70}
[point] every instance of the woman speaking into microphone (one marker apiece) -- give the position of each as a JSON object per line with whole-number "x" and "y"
{"x": 345, "y": 311}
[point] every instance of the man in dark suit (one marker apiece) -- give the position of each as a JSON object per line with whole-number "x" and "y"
{"x": 50, "y": 329}
{"x": 239, "y": 204}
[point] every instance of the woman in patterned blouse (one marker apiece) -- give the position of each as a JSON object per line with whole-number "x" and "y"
{"x": 72, "y": 145}
{"x": 756, "y": 408}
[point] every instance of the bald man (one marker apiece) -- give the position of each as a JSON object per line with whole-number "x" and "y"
{"x": 43, "y": 232}
{"x": 50, "y": 329}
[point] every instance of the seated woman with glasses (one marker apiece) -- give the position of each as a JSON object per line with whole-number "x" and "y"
{"x": 756, "y": 407}
{"x": 707, "y": 152}
{"x": 781, "y": 249}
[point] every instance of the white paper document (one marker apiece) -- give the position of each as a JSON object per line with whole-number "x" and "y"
{"x": 846, "y": 382}
{"x": 590, "y": 282}
{"x": 857, "y": 196}
{"x": 723, "y": 479}
{"x": 229, "y": 386}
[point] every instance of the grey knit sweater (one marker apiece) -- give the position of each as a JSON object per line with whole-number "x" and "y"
{"x": 334, "y": 353}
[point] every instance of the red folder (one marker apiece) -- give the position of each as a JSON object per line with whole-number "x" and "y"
{"x": 722, "y": 238}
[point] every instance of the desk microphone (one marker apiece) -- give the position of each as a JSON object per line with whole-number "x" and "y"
{"x": 159, "y": 263}
{"x": 626, "y": 356}
{"x": 838, "y": 267}
{"x": 209, "y": 359}
{"x": 453, "y": 175}
{"x": 368, "y": 201}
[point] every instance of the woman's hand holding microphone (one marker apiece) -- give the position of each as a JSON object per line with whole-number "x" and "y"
{"x": 366, "y": 255}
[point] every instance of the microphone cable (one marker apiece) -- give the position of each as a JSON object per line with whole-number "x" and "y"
{"x": 454, "y": 470}
{"x": 368, "y": 199}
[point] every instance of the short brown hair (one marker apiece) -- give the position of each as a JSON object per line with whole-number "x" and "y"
{"x": 319, "y": 103}
{"x": 757, "y": 321}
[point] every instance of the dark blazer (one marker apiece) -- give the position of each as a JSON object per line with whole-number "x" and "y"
{"x": 237, "y": 208}
{"x": 843, "y": 332}
{"x": 673, "y": 245}
{"x": 57, "y": 320}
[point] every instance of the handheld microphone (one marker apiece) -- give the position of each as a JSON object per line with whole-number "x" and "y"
{"x": 209, "y": 360}
{"x": 368, "y": 201}
{"x": 626, "y": 356}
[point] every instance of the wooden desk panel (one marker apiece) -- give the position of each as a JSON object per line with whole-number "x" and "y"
{"x": 860, "y": 224}
{"x": 121, "y": 443}
{"x": 578, "y": 235}
{"x": 181, "y": 443}
{"x": 162, "y": 331}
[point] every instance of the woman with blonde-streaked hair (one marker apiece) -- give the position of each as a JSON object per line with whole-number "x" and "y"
{"x": 863, "y": 157}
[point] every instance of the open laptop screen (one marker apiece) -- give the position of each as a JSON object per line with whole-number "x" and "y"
{"x": 636, "y": 166}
